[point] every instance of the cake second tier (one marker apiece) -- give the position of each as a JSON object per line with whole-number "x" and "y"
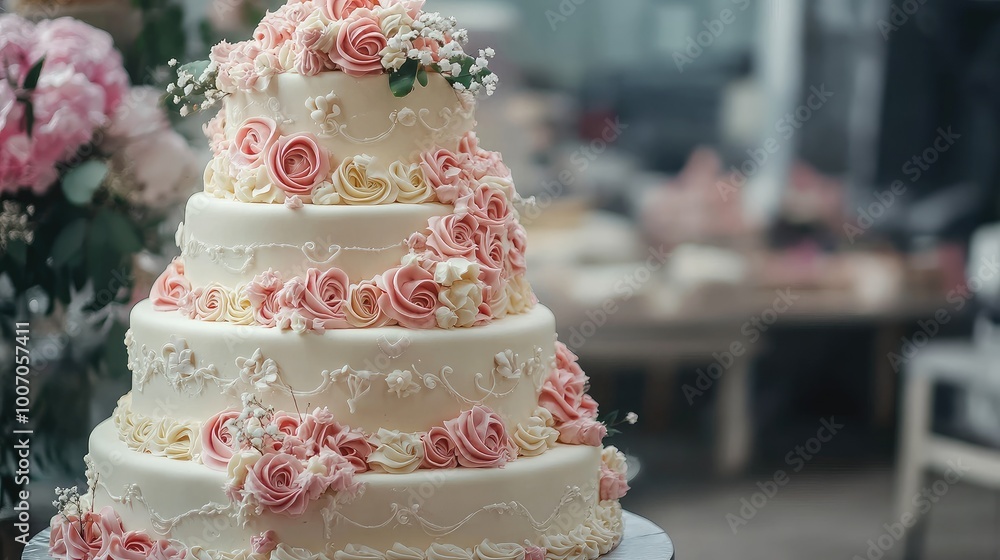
{"x": 390, "y": 377}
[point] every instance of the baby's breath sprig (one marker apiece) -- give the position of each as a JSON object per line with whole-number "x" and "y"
{"x": 67, "y": 501}
{"x": 612, "y": 422}
{"x": 253, "y": 427}
{"x": 195, "y": 88}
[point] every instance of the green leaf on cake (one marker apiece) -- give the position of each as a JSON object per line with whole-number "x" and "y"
{"x": 80, "y": 183}
{"x": 31, "y": 79}
{"x": 422, "y": 76}
{"x": 401, "y": 81}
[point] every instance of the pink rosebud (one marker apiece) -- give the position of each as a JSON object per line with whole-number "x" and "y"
{"x": 252, "y": 142}
{"x": 410, "y": 296}
{"x": 170, "y": 287}
{"x": 440, "y": 451}
{"x": 262, "y": 292}
{"x": 583, "y": 431}
{"x": 217, "y": 441}
{"x": 613, "y": 484}
{"x": 264, "y": 543}
{"x": 354, "y": 447}
{"x": 453, "y": 236}
{"x": 480, "y": 438}
{"x": 297, "y": 163}
{"x": 359, "y": 43}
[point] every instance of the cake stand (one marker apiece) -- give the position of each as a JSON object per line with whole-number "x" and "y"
{"x": 643, "y": 541}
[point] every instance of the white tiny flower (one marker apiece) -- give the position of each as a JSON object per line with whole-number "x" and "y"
{"x": 172, "y": 62}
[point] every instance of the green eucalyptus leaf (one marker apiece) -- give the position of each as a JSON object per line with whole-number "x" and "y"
{"x": 422, "y": 76}
{"x": 401, "y": 81}
{"x": 34, "y": 73}
{"x": 80, "y": 183}
{"x": 196, "y": 68}
{"x": 69, "y": 242}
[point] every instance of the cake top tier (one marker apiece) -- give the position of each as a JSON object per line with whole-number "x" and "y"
{"x": 356, "y": 37}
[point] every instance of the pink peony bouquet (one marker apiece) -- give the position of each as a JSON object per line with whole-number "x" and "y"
{"x": 89, "y": 165}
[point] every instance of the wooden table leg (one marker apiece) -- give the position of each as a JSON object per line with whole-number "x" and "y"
{"x": 734, "y": 419}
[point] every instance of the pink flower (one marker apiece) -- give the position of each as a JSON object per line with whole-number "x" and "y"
{"x": 362, "y": 310}
{"x": 170, "y": 287}
{"x": 65, "y": 540}
{"x": 108, "y": 524}
{"x": 447, "y": 173}
{"x": 276, "y": 483}
{"x": 583, "y": 431}
{"x": 286, "y": 423}
{"x": 518, "y": 238}
{"x": 297, "y": 163}
{"x": 271, "y": 34}
{"x": 480, "y": 438}
{"x": 264, "y": 543}
{"x": 262, "y": 292}
{"x": 316, "y": 432}
{"x": 133, "y": 545}
{"x": 534, "y": 553}
{"x": 354, "y": 447}
{"x": 328, "y": 471}
{"x": 491, "y": 248}
{"x": 469, "y": 144}
{"x": 324, "y": 298}
{"x": 359, "y": 42}
{"x": 167, "y": 550}
{"x": 453, "y": 236}
{"x": 562, "y": 395}
{"x": 488, "y": 205}
{"x": 566, "y": 359}
{"x": 410, "y": 296}
{"x": 614, "y": 485}
{"x": 310, "y": 63}
{"x": 341, "y": 9}
{"x": 440, "y": 451}
{"x": 17, "y": 38}
{"x": 486, "y": 163}
{"x": 215, "y": 131}
{"x": 253, "y": 141}
{"x": 217, "y": 441}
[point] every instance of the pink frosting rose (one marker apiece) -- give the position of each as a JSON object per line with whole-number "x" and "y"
{"x": 275, "y": 481}
{"x": 534, "y": 553}
{"x": 341, "y": 9}
{"x": 264, "y": 543}
{"x": 488, "y": 205}
{"x": 566, "y": 359}
{"x": 480, "y": 438}
{"x": 217, "y": 442}
{"x": 354, "y": 447}
{"x": 297, "y": 163}
{"x": 410, "y": 296}
{"x": 469, "y": 144}
{"x": 270, "y": 34}
{"x": 108, "y": 525}
{"x": 316, "y": 432}
{"x": 447, "y": 173}
{"x": 133, "y": 545}
{"x": 167, "y": 550}
{"x": 359, "y": 42}
{"x": 491, "y": 248}
{"x": 170, "y": 287}
{"x": 453, "y": 236}
{"x": 518, "y": 238}
{"x": 62, "y": 544}
{"x": 488, "y": 163}
{"x": 311, "y": 63}
{"x": 328, "y": 471}
{"x": 325, "y": 298}
{"x": 262, "y": 292}
{"x": 614, "y": 485}
{"x": 253, "y": 141}
{"x": 363, "y": 309}
{"x": 215, "y": 131}
{"x": 583, "y": 431}
{"x": 562, "y": 395}
{"x": 440, "y": 451}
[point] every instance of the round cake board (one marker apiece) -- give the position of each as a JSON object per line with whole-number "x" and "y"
{"x": 643, "y": 540}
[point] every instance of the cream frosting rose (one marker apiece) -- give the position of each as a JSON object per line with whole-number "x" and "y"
{"x": 254, "y": 186}
{"x": 397, "y": 452}
{"x": 363, "y": 310}
{"x": 217, "y": 442}
{"x": 410, "y": 183}
{"x": 219, "y": 181}
{"x": 356, "y": 185}
{"x": 400, "y": 551}
{"x": 213, "y": 304}
{"x": 297, "y": 163}
{"x": 179, "y": 442}
{"x": 440, "y": 451}
{"x": 263, "y": 292}
{"x": 438, "y": 551}
{"x": 534, "y": 438}
{"x": 462, "y": 305}
{"x": 170, "y": 287}
{"x": 519, "y": 295}
{"x": 480, "y": 438}
{"x": 410, "y": 296}
{"x": 359, "y": 44}
{"x": 488, "y": 550}
{"x": 447, "y": 173}
{"x": 240, "y": 309}
{"x": 253, "y": 141}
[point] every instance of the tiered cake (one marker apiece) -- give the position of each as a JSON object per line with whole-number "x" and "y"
{"x": 346, "y": 362}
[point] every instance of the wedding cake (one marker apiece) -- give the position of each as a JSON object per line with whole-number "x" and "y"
{"x": 347, "y": 361}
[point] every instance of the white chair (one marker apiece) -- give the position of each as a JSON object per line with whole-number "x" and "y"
{"x": 974, "y": 367}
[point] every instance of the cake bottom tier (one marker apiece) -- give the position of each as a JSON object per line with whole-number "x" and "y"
{"x": 550, "y": 501}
